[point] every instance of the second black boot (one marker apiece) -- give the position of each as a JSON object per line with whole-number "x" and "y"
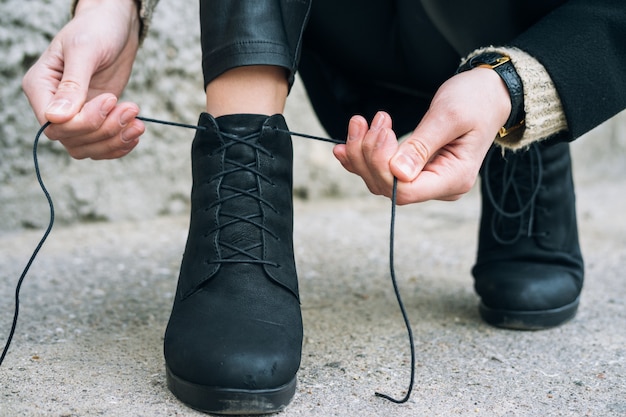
{"x": 234, "y": 339}
{"x": 529, "y": 269}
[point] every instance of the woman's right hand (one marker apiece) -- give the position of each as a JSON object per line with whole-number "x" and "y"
{"x": 441, "y": 159}
{"x": 76, "y": 82}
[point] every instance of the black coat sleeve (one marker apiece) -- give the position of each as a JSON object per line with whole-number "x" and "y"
{"x": 582, "y": 45}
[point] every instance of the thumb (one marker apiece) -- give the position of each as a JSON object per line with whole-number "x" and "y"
{"x": 71, "y": 92}
{"x": 433, "y": 133}
{"x": 410, "y": 158}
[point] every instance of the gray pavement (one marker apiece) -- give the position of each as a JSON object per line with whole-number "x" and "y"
{"x": 97, "y": 299}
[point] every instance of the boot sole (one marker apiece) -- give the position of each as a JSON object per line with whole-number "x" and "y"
{"x": 227, "y": 401}
{"x": 528, "y": 320}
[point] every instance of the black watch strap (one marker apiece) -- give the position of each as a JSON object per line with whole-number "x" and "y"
{"x": 501, "y": 64}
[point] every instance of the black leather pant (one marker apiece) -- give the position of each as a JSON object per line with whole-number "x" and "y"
{"x": 360, "y": 57}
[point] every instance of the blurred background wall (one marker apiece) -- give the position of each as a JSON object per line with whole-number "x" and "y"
{"x": 167, "y": 83}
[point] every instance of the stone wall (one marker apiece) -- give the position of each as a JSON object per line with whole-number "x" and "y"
{"x": 166, "y": 83}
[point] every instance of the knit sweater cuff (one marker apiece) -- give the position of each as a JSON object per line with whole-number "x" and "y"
{"x": 146, "y": 7}
{"x": 542, "y": 104}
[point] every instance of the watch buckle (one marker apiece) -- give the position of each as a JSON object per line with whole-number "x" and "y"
{"x": 504, "y": 131}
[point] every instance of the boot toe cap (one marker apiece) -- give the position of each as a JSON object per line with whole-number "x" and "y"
{"x": 252, "y": 355}
{"x": 527, "y": 296}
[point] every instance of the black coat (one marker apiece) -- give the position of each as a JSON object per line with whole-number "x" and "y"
{"x": 582, "y": 44}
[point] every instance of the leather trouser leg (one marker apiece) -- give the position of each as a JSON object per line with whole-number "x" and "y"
{"x": 259, "y": 32}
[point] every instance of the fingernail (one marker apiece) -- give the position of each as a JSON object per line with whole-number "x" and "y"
{"x": 60, "y": 107}
{"x": 354, "y": 130}
{"x": 406, "y": 165}
{"x": 377, "y": 123}
{"x": 107, "y": 106}
{"x": 127, "y": 117}
{"x": 130, "y": 134}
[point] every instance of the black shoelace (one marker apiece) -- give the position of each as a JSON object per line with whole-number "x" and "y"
{"x": 236, "y": 254}
{"x": 517, "y": 186}
{"x": 188, "y": 126}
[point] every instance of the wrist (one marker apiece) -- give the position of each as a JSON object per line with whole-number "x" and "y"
{"x": 82, "y": 4}
{"x": 498, "y": 94}
{"x": 132, "y": 7}
{"x": 502, "y": 66}
{"x": 129, "y": 8}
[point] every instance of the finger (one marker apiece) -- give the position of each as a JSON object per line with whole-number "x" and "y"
{"x": 78, "y": 66}
{"x": 377, "y": 152}
{"x": 88, "y": 121}
{"x": 94, "y": 134}
{"x": 111, "y": 148}
{"x": 378, "y": 148}
{"x": 361, "y": 135}
{"x": 340, "y": 153}
{"x": 357, "y": 128}
{"x": 428, "y": 186}
{"x": 374, "y": 169}
{"x": 40, "y": 83}
{"x": 367, "y": 152}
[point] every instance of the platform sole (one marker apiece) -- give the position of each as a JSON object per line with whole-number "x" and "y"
{"x": 227, "y": 401}
{"x": 528, "y": 320}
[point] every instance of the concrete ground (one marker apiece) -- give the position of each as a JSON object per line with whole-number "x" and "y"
{"x": 96, "y": 302}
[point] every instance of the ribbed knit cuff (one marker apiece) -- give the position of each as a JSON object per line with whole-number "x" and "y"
{"x": 542, "y": 104}
{"x": 146, "y": 7}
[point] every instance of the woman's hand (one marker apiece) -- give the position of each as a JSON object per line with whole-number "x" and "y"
{"x": 77, "y": 80}
{"x": 440, "y": 160}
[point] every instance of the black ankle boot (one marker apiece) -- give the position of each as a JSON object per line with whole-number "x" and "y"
{"x": 233, "y": 342}
{"x": 529, "y": 270}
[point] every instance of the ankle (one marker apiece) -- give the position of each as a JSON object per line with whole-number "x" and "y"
{"x": 257, "y": 89}
{"x": 242, "y": 123}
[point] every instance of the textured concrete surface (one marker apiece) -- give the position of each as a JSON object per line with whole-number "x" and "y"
{"x": 96, "y": 302}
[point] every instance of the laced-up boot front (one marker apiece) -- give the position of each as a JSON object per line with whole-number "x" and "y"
{"x": 529, "y": 269}
{"x": 233, "y": 342}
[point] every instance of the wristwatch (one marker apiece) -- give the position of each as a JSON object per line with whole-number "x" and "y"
{"x": 502, "y": 64}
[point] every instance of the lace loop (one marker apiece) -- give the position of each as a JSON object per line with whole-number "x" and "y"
{"x": 514, "y": 178}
